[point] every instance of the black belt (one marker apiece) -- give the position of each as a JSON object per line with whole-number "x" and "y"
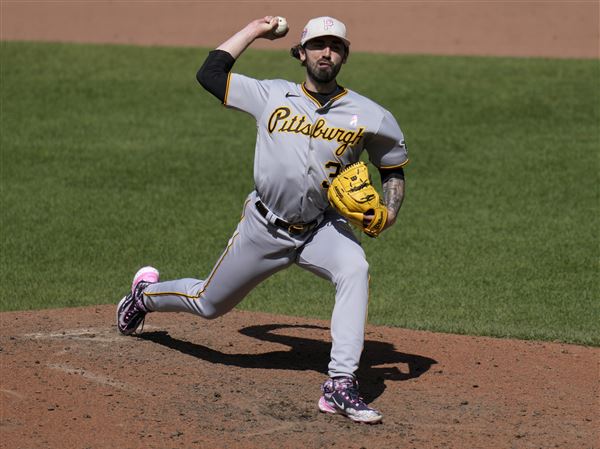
{"x": 295, "y": 228}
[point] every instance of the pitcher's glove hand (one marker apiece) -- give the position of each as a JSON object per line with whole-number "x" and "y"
{"x": 353, "y": 195}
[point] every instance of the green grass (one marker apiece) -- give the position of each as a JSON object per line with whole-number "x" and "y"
{"x": 114, "y": 157}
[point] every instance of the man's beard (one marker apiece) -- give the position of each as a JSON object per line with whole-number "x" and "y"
{"x": 323, "y": 76}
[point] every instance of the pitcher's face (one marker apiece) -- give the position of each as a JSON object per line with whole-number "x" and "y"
{"x": 323, "y": 57}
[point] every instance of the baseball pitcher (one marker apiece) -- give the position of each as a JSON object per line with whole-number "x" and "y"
{"x": 309, "y": 187}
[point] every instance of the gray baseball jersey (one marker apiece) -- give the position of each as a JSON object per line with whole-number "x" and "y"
{"x": 300, "y": 147}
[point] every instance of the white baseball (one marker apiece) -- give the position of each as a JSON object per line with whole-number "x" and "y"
{"x": 282, "y": 27}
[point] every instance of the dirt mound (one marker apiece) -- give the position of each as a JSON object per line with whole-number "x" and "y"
{"x": 70, "y": 380}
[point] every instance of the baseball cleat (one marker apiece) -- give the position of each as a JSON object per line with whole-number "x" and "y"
{"x": 146, "y": 274}
{"x": 340, "y": 395}
{"x": 131, "y": 310}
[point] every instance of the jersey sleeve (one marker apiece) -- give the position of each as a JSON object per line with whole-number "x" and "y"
{"x": 386, "y": 148}
{"x": 214, "y": 72}
{"x": 247, "y": 94}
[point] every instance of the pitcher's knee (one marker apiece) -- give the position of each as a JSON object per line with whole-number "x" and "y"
{"x": 356, "y": 270}
{"x": 211, "y": 313}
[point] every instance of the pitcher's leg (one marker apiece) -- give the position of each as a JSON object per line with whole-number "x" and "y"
{"x": 252, "y": 255}
{"x": 334, "y": 253}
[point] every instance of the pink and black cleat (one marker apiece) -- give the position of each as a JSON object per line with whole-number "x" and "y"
{"x": 131, "y": 310}
{"x": 340, "y": 395}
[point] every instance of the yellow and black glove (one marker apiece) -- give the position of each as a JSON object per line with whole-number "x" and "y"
{"x": 353, "y": 195}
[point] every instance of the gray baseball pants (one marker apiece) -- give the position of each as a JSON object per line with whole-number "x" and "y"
{"x": 259, "y": 249}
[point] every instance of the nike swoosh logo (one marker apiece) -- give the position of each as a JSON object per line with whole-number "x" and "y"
{"x": 289, "y": 94}
{"x": 339, "y": 405}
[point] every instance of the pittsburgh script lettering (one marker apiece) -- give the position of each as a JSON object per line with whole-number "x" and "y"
{"x": 280, "y": 121}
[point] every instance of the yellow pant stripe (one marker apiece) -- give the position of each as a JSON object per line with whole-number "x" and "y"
{"x": 197, "y": 296}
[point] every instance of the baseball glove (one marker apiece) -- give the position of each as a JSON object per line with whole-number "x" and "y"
{"x": 353, "y": 195}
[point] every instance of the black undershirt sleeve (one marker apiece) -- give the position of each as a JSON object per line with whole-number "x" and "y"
{"x": 386, "y": 173}
{"x": 213, "y": 73}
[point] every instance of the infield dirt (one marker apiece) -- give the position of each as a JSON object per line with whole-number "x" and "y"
{"x": 251, "y": 380}
{"x": 247, "y": 380}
